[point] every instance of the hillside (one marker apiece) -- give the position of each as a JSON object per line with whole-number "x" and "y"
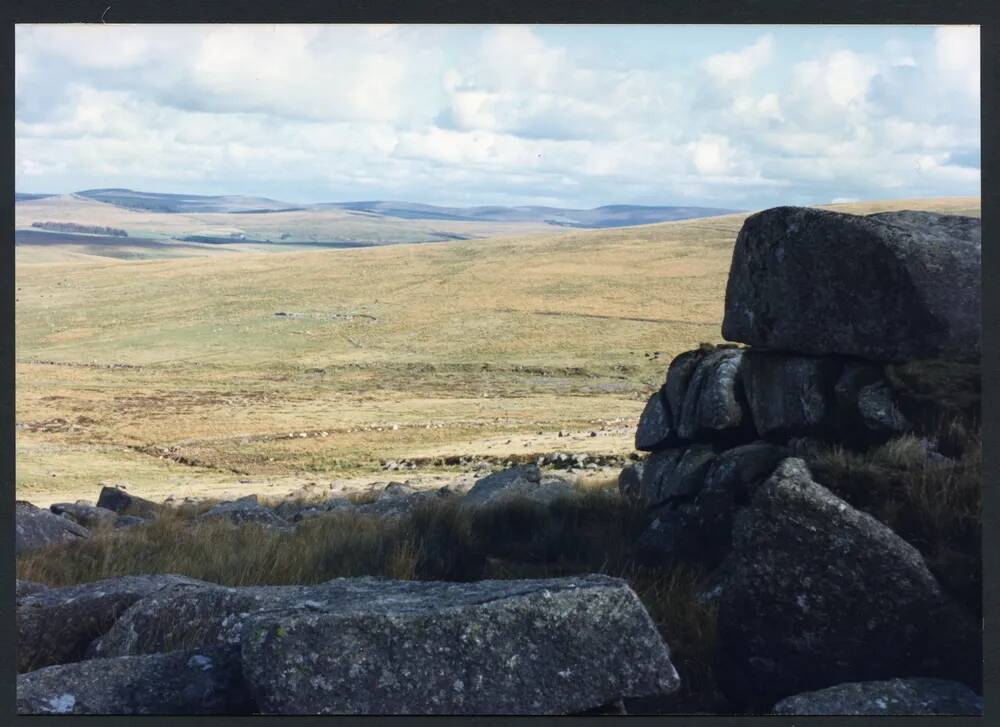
{"x": 175, "y": 225}
{"x": 180, "y": 376}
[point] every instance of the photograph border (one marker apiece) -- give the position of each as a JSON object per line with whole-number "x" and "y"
{"x": 753, "y": 12}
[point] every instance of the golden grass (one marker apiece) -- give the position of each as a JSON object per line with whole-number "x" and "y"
{"x": 486, "y": 347}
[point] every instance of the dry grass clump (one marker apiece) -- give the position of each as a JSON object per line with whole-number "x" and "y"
{"x": 932, "y": 502}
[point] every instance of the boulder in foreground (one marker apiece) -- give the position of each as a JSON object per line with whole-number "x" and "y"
{"x": 893, "y": 286}
{"x": 895, "y": 696}
{"x": 180, "y": 682}
{"x": 372, "y": 646}
{"x": 818, "y": 593}
{"x": 492, "y": 647}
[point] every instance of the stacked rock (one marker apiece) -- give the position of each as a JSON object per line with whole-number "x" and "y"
{"x": 824, "y": 301}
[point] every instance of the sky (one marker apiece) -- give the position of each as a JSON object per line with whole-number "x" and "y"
{"x": 742, "y": 117}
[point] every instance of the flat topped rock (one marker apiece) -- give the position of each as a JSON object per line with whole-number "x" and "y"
{"x": 491, "y": 647}
{"x": 887, "y": 287}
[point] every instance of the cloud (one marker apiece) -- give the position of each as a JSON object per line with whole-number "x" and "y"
{"x": 501, "y": 114}
{"x": 741, "y": 65}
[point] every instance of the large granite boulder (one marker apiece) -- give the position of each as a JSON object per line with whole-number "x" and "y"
{"x": 368, "y": 645}
{"x": 655, "y": 429}
{"x": 730, "y": 482}
{"x": 713, "y": 400}
{"x": 791, "y": 395}
{"x": 56, "y": 625}
{"x": 895, "y": 697}
{"x": 526, "y": 481}
{"x": 492, "y": 647}
{"x": 818, "y": 593}
{"x": 673, "y": 474}
{"x": 887, "y": 287}
{"x": 679, "y": 374}
{"x": 180, "y": 682}
{"x": 124, "y": 503}
{"x": 630, "y": 481}
{"x": 35, "y": 528}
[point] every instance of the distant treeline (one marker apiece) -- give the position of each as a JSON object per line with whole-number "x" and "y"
{"x": 73, "y": 227}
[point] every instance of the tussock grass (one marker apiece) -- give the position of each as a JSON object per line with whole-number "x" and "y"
{"x": 932, "y": 503}
{"x": 587, "y": 532}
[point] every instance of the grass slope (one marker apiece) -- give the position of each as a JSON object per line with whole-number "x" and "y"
{"x": 178, "y": 376}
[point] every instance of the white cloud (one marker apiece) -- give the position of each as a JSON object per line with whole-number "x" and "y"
{"x": 506, "y": 114}
{"x": 738, "y": 66}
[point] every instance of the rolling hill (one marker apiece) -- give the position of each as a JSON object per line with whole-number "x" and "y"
{"x": 173, "y": 225}
{"x": 189, "y": 376}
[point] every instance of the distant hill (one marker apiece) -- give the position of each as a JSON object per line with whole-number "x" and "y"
{"x": 158, "y": 202}
{"x": 599, "y": 217}
{"x": 25, "y": 197}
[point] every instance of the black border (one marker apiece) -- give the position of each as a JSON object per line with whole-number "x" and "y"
{"x": 983, "y": 12}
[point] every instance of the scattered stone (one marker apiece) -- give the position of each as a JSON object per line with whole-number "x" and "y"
{"x": 895, "y": 696}
{"x": 128, "y": 521}
{"x": 525, "y": 481}
{"x": 115, "y": 498}
{"x": 396, "y": 489}
{"x": 818, "y": 593}
{"x": 56, "y": 625}
{"x": 36, "y": 528}
{"x": 907, "y": 287}
{"x": 86, "y": 515}
{"x": 180, "y": 682}
{"x": 243, "y": 510}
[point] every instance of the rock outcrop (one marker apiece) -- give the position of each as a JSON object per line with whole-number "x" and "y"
{"x": 893, "y": 286}
{"x": 892, "y": 697}
{"x": 35, "y": 528}
{"x": 811, "y": 592}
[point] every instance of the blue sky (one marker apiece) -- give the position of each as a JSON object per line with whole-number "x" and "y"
{"x": 731, "y": 116}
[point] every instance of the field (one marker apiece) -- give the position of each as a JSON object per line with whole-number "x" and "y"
{"x": 179, "y": 376}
